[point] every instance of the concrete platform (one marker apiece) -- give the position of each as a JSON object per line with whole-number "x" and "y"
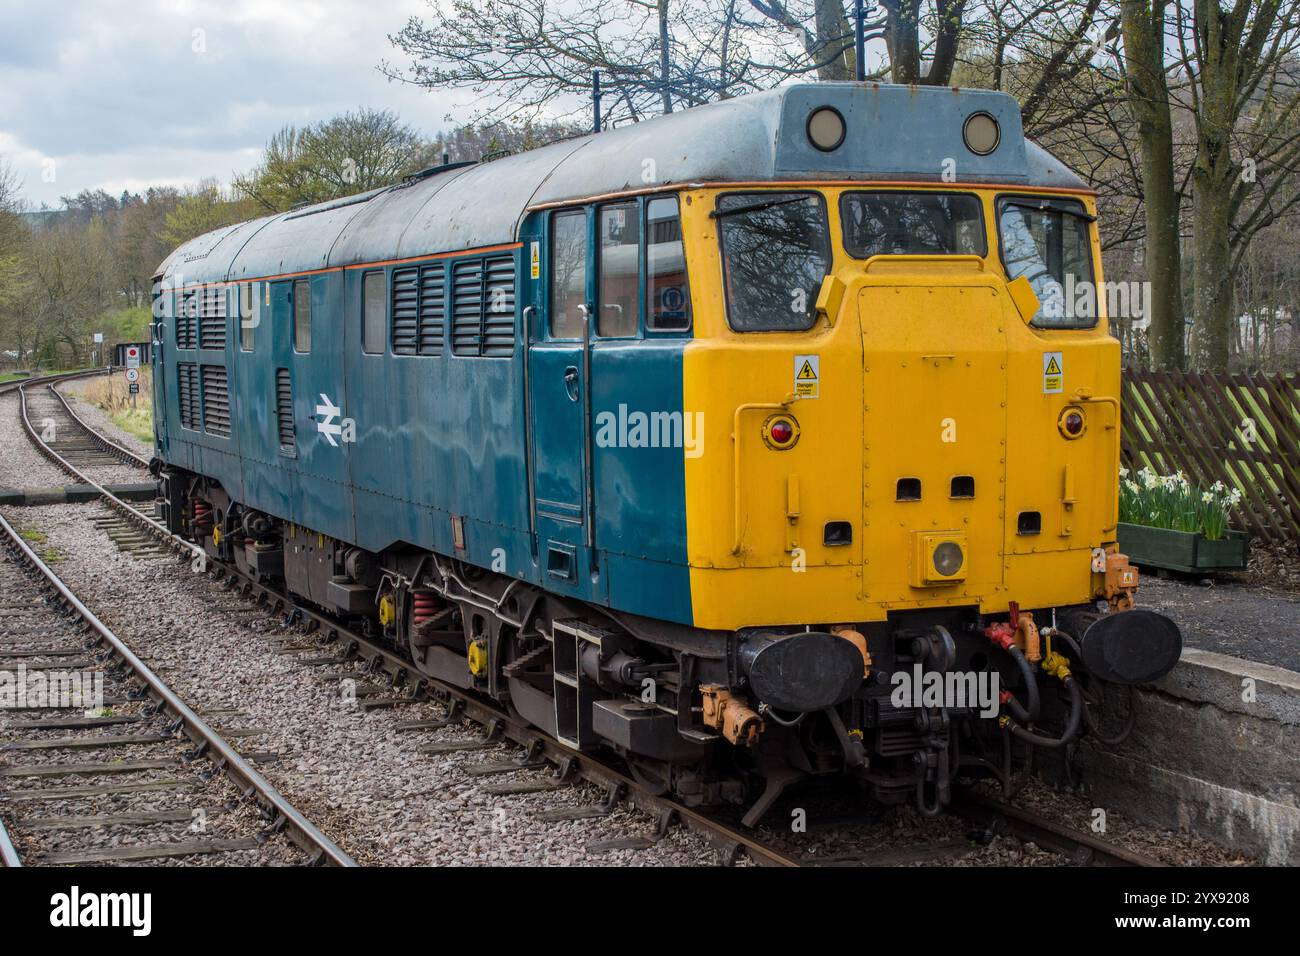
{"x": 1255, "y": 624}
{"x": 65, "y": 494}
{"x": 1216, "y": 752}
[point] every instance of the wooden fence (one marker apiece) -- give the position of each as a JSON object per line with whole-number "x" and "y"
{"x": 1241, "y": 429}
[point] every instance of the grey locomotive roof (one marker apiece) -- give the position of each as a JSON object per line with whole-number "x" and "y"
{"x": 893, "y": 132}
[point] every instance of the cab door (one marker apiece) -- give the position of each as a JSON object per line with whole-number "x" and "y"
{"x": 558, "y": 367}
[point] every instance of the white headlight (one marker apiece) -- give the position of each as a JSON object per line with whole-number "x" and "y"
{"x": 826, "y": 128}
{"x": 981, "y": 133}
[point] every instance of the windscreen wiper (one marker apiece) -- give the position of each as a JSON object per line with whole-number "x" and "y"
{"x": 1046, "y": 205}
{"x": 756, "y": 207}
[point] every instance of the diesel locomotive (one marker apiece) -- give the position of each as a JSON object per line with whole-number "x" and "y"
{"x": 773, "y": 439}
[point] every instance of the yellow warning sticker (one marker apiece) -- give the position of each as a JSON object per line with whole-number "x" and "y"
{"x": 535, "y": 254}
{"x": 807, "y": 376}
{"x": 1053, "y": 373}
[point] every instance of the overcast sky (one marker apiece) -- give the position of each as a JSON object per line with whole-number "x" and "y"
{"x": 123, "y": 94}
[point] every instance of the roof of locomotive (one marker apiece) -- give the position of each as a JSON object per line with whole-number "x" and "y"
{"x": 904, "y": 133}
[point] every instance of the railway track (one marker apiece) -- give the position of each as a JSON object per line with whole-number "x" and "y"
{"x": 79, "y": 449}
{"x": 97, "y": 747}
{"x": 389, "y": 680}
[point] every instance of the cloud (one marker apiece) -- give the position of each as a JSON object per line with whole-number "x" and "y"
{"x": 109, "y": 93}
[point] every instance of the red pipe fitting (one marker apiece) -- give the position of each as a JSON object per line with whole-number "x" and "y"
{"x": 1002, "y": 634}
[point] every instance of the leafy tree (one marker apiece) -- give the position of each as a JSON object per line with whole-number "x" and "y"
{"x": 348, "y": 154}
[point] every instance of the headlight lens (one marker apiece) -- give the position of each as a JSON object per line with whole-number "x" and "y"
{"x": 826, "y": 129}
{"x": 948, "y": 558}
{"x": 981, "y": 133}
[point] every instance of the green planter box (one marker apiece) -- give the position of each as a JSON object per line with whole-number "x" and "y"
{"x": 1182, "y": 550}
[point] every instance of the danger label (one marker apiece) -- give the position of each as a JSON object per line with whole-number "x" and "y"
{"x": 1053, "y": 373}
{"x": 807, "y": 376}
{"x": 535, "y": 260}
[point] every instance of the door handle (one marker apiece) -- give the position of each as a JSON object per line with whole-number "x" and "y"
{"x": 571, "y": 382}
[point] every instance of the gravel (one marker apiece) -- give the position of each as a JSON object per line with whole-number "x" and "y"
{"x": 352, "y": 773}
{"x": 210, "y": 809}
{"x": 21, "y": 465}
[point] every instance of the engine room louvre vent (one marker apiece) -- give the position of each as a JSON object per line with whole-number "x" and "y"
{"x": 467, "y": 307}
{"x": 483, "y": 307}
{"x": 284, "y": 407}
{"x": 406, "y": 311}
{"x": 212, "y": 318}
{"x": 187, "y": 391}
{"x": 433, "y": 308}
{"x": 499, "y": 306}
{"x": 187, "y": 310}
{"x": 216, "y": 401}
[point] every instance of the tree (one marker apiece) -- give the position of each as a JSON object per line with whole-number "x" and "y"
{"x": 348, "y": 154}
{"x": 1243, "y": 95}
{"x": 204, "y": 209}
{"x": 1149, "y": 102}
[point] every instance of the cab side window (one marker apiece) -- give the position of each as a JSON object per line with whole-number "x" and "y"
{"x": 667, "y": 297}
{"x": 568, "y": 273}
{"x": 620, "y": 252}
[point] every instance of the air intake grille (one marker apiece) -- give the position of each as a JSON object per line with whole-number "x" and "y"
{"x": 212, "y": 318}
{"x": 499, "y": 306}
{"x": 467, "y": 307}
{"x": 483, "y": 306}
{"x": 216, "y": 401}
{"x": 433, "y": 308}
{"x": 187, "y": 389}
{"x": 284, "y": 407}
{"x": 187, "y": 307}
{"x": 419, "y": 310}
{"x": 406, "y": 311}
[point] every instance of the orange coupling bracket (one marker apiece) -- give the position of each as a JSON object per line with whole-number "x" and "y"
{"x": 857, "y": 639}
{"x": 723, "y": 711}
{"x": 1121, "y": 581}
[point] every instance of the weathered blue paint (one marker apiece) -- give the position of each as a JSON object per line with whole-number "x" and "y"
{"x": 454, "y": 437}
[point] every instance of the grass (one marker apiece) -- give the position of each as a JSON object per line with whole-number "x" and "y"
{"x": 32, "y": 536}
{"x": 110, "y": 393}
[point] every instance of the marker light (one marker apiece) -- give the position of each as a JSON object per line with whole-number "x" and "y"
{"x": 781, "y": 432}
{"x": 1072, "y": 423}
{"x": 981, "y": 133}
{"x": 826, "y": 128}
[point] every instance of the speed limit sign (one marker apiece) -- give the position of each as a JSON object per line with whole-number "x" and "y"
{"x": 133, "y": 375}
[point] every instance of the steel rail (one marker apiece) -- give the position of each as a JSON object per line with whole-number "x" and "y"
{"x": 7, "y": 387}
{"x": 9, "y": 858}
{"x": 215, "y": 746}
{"x": 501, "y": 723}
{"x": 305, "y": 833}
{"x": 1048, "y": 833}
{"x": 125, "y": 455}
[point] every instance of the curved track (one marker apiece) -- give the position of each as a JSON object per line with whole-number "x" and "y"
{"x": 159, "y": 703}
